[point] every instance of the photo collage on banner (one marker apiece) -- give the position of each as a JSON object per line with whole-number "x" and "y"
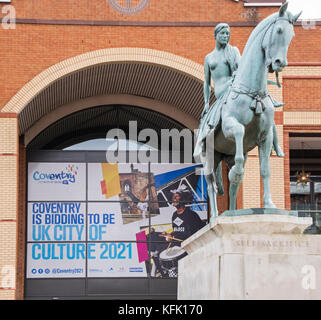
{"x": 111, "y": 220}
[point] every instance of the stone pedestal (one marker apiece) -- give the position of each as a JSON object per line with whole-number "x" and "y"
{"x": 252, "y": 256}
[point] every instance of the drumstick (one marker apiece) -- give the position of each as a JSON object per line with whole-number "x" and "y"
{"x": 172, "y": 238}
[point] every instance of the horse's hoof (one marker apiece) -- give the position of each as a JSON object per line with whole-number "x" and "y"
{"x": 236, "y": 175}
{"x": 279, "y": 152}
{"x": 214, "y": 215}
{"x": 269, "y": 205}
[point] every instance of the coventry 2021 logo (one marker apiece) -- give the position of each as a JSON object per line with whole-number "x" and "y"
{"x": 66, "y": 176}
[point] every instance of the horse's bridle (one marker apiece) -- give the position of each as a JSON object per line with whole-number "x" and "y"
{"x": 268, "y": 61}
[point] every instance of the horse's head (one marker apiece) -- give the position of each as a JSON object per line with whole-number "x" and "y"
{"x": 278, "y": 38}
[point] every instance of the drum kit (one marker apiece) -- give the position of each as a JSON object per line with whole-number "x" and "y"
{"x": 169, "y": 259}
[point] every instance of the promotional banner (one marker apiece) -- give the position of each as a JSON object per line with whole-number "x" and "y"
{"x": 124, "y": 220}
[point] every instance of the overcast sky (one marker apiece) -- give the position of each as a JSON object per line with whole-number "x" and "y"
{"x": 311, "y": 8}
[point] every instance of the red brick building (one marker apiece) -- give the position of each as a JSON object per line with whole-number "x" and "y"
{"x": 61, "y": 58}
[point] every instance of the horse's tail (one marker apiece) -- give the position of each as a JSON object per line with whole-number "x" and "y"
{"x": 199, "y": 158}
{"x": 219, "y": 180}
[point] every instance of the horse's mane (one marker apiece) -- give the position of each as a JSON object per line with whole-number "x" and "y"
{"x": 262, "y": 26}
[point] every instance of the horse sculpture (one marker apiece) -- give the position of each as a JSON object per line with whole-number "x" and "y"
{"x": 247, "y": 112}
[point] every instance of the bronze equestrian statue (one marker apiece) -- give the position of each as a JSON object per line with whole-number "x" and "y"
{"x": 242, "y": 117}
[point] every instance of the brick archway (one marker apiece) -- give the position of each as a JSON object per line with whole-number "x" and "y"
{"x": 70, "y": 66}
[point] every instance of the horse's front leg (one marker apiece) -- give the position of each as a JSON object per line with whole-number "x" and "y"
{"x": 234, "y": 187}
{"x": 265, "y": 152}
{"x": 236, "y": 132}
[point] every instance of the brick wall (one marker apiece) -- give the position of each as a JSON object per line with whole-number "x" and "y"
{"x": 302, "y": 94}
{"x": 165, "y": 10}
{"x": 286, "y": 174}
{"x": 21, "y": 223}
{"x": 8, "y": 204}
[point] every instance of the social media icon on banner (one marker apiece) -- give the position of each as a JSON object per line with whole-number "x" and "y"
{"x": 47, "y": 271}
{"x": 40, "y": 271}
{"x": 34, "y": 271}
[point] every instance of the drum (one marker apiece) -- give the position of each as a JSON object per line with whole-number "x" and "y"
{"x": 169, "y": 260}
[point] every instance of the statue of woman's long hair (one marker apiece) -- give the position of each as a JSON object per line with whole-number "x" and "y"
{"x": 229, "y": 53}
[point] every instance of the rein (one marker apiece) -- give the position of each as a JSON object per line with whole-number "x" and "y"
{"x": 257, "y": 104}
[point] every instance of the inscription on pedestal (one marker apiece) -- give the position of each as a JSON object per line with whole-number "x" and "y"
{"x": 271, "y": 244}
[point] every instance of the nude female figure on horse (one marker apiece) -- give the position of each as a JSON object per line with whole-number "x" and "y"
{"x": 220, "y": 65}
{"x": 230, "y": 127}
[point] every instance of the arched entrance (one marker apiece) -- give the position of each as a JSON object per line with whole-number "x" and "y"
{"x": 167, "y": 85}
{"x": 147, "y": 73}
